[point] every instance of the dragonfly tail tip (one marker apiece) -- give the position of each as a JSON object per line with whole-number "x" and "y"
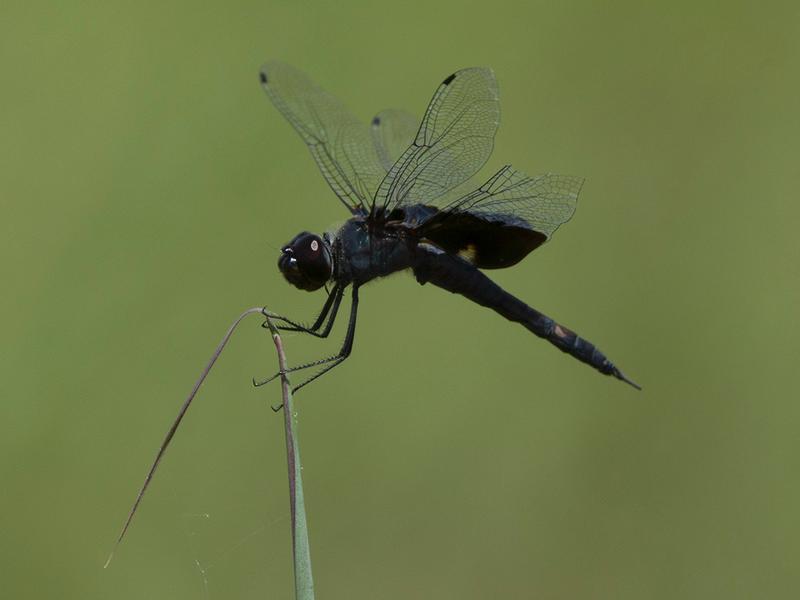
{"x": 621, "y": 376}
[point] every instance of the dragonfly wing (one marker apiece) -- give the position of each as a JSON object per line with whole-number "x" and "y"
{"x": 543, "y": 202}
{"x": 340, "y": 144}
{"x": 392, "y": 132}
{"x": 454, "y": 141}
{"x": 506, "y": 218}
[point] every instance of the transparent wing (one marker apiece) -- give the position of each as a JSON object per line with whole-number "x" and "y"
{"x": 393, "y": 131}
{"x": 543, "y": 202}
{"x": 454, "y": 141}
{"x": 340, "y": 144}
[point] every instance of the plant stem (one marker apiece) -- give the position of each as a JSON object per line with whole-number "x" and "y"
{"x": 303, "y": 578}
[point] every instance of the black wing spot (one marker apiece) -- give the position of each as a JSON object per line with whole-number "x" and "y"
{"x": 263, "y": 77}
{"x": 449, "y": 80}
{"x": 376, "y": 121}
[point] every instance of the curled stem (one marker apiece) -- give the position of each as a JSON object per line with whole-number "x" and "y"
{"x": 174, "y": 427}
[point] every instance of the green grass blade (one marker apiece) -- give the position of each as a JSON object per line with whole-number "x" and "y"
{"x": 303, "y": 577}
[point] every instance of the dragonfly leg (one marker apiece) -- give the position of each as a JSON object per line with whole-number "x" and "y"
{"x": 330, "y": 361}
{"x": 347, "y": 346}
{"x": 331, "y": 305}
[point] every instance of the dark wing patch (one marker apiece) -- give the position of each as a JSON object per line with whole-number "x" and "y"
{"x": 340, "y": 144}
{"x": 502, "y": 221}
{"x": 488, "y": 243}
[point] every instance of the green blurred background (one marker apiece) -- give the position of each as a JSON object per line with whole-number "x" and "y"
{"x": 147, "y": 182}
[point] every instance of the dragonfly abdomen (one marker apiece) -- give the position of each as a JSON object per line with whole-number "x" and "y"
{"x": 458, "y": 276}
{"x": 567, "y": 341}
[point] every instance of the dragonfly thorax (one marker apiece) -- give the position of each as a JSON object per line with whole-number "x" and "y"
{"x": 306, "y": 261}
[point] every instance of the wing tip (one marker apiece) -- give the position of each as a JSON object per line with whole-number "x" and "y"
{"x": 449, "y": 79}
{"x": 272, "y": 67}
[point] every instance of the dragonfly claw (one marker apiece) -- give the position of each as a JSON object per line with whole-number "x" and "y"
{"x": 257, "y": 383}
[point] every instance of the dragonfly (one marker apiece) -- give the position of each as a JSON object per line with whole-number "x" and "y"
{"x": 406, "y": 185}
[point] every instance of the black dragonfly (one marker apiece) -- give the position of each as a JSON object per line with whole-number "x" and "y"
{"x": 405, "y": 185}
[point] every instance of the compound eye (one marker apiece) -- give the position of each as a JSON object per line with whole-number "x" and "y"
{"x": 306, "y": 262}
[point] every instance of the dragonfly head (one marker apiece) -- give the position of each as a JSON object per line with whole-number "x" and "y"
{"x": 306, "y": 261}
